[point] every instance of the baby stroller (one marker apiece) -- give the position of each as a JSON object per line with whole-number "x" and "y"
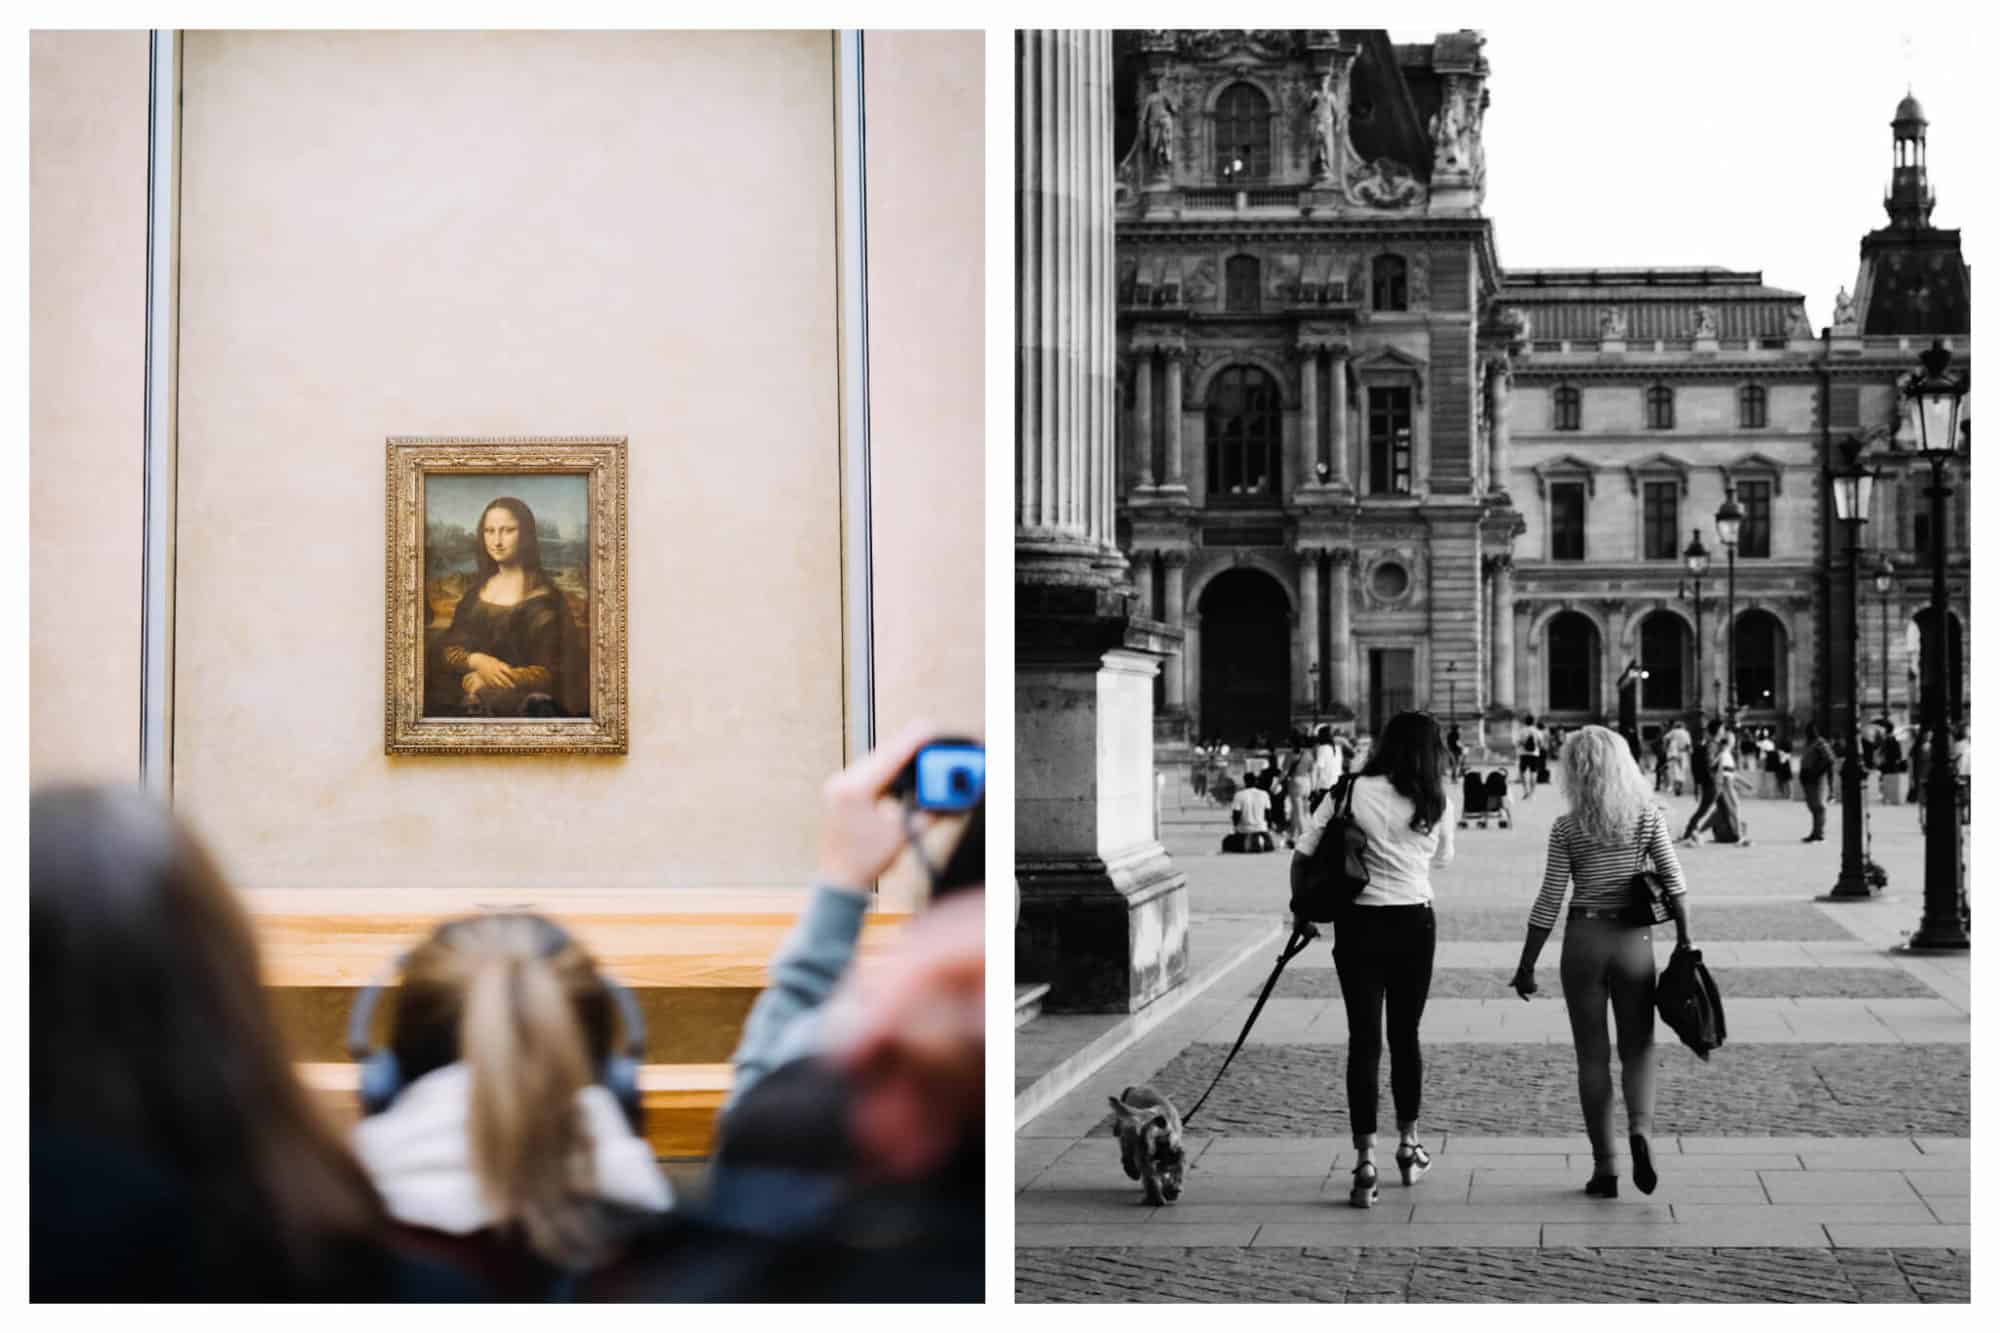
{"x": 1484, "y": 797}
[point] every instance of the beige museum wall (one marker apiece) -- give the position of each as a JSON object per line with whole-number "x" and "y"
{"x": 926, "y": 180}
{"x": 926, "y": 349}
{"x": 86, "y": 387}
{"x": 497, "y": 234}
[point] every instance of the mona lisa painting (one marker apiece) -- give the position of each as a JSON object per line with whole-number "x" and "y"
{"x": 506, "y": 596}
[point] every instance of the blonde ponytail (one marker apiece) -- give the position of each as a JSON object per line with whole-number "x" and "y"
{"x": 520, "y": 1036}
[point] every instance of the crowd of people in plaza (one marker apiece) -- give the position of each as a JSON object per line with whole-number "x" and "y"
{"x": 176, "y": 1154}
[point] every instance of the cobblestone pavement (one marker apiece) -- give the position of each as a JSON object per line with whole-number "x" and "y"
{"x": 1299, "y": 1090}
{"x": 1354, "y": 1274}
{"x": 1823, "y": 1155}
{"x": 1735, "y": 983}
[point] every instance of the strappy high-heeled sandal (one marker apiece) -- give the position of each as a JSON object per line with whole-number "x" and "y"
{"x": 1412, "y": 1160}
{"x": 1367, "y": 1187}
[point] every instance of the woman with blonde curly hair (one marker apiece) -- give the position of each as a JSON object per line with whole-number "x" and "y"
{"x": 1612, "y": 828}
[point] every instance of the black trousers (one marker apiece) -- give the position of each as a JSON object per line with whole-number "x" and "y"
{"x": 1384, "y": 957}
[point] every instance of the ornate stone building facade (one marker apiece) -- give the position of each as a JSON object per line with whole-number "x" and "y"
{"x": 1313, "y": 378}
{"x": 1648, "y": 395}
{"x": 1361, "y": 468}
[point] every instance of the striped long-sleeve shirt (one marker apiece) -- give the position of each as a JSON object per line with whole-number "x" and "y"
{"x": 1603, "y": 874}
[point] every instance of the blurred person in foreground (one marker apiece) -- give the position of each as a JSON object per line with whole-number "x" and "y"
{"x": 850, "y": 1156}
{"x": 173, "y": 1153}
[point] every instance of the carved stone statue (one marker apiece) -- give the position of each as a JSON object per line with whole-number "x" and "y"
{"x": 1843, "y": 310}
{"x": 1329, "y": 127}
{"x": 1611, "y": 324}
{"x": 1704, "y": 321}
{"x": 1520, "y": 327}
{"x": 1156, "y": 126}
{"x": 1797, "y": 326}
{"x": 1448, "y": 128}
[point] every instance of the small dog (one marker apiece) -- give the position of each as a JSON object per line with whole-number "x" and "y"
{"x": 1149, "y": 1142}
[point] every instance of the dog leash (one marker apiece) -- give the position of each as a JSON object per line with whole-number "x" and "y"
{"x": 1295, "y": 946}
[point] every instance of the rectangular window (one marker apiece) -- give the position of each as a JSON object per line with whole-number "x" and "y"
{"x": 1566, "y": 520}
{"x": 1754, "y": 542}
{"x": 1389, "y": 441}
{"x": 1569, "y": 408}
{"x": 1662, "y": 520}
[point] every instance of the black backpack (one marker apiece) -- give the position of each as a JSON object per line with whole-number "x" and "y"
{"x": 1337, "y": 871}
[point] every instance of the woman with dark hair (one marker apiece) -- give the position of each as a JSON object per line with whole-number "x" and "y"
{"x": 1384, "y": 944}
{"x": 505, "y": 653}
{"x": 174, "y": 1154}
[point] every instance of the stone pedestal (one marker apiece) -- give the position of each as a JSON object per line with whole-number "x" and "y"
{"x": 1103, "y": 915}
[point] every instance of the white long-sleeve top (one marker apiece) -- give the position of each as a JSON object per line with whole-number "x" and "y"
{"x": 1400, "y": 859}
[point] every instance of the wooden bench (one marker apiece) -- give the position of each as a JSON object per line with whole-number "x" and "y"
{"x": 694, "y": 960}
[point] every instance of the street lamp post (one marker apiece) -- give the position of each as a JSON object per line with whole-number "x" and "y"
{"x": 1728, "y": 523}
{"x": 1853, "y": 486}
{"x": 1885, "y": 583}
{"x": 1312, "y": 683}
{"x": 1936, "y": 396}
{"x": 1696, "y": 557}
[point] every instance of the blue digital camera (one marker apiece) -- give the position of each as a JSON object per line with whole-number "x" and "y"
{"x": 948, "y": 775}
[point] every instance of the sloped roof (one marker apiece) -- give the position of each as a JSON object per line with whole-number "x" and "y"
{"x": 1658, "y": 302}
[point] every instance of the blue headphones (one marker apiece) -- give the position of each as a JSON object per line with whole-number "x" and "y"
{"x": 382, "y": 1076}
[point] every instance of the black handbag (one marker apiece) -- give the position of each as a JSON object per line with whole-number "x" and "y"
{"x": 1337, "y": 871}
{"x": 1690, "y": 1004}
{"x": 1646, "y": 892}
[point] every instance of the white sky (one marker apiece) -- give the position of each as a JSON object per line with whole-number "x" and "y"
{"x": 1752, "y": 144}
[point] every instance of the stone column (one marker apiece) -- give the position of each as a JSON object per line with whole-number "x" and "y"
{"x": 1308, "y": 453}
{"x": 1309, "y": 634}
{"x": 1338, "y": 474}
{"x": 1142, "y": 413}
{"x": 1175, "y": 473}
{"x": 1142, "y": 579}
{"x": 1498, "y": 448}
{"x": 1502, "y": 583}
{"x": 1339, "y": 632}
{"x": 1175, "y": 596}
{"x": 1102, "y": 910}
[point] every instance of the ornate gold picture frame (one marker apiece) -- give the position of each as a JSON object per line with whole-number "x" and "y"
{"x": 505, "y": 627}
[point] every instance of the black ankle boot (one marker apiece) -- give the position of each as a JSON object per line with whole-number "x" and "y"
{"x": 1643, "y": 1174}
{"x": 1602, "y": 1187}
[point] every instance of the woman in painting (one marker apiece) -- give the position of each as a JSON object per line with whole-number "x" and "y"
{"x": 505, "y": 653}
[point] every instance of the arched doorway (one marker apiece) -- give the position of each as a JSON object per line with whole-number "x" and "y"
{"x": 1246, "y": 670}
{"x": 1666, "y": 655}
{"x": 1760, "y": 663}
{"x": 1954, "y": 664}
{"x": 1572, "y": 657}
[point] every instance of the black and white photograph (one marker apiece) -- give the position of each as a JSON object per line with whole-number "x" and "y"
{"x": 1492, "y": 569}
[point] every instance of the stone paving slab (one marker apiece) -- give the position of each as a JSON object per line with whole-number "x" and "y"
{"x": 1295, "y": 1021}
{"x": 1297, "y": 1235}
{"x": 1730, "y": 1235}
{"x": 1804, "y": 1089}
{"x": 1934, "y": 1184}
{"x": 1475, "y": 1274}
{"x": 1824, "y": 1187}
{"x": 1735, "y": 983}
{"x": 1898, "y": 1236}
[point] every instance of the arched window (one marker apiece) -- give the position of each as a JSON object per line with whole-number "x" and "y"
{"x": 1663, "y": 654}
{"x": 1245, "y": 436}
{"x": 1569, "y": 408}
{"x": 1242, "y": 283}
{"x": 1390, "y": 287}
{"x": 1572, "y": 647}
{"x": 1760, "y": 662}
{"x": 1751, "y": 404}
{"x": 1242, "y": 134}
{"x": 1659, "y": 408}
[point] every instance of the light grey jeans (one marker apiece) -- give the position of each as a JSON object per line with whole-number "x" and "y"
{"x": 1609, "y": 965}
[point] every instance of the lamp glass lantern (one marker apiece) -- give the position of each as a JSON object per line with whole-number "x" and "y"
{"x": 1936, "y": 397}
{"x": 1853, "y": 490}
{"x": 1885, "y": 577}
{"x": 1696, "y": 555}
{"x": 1729, "y": 518}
